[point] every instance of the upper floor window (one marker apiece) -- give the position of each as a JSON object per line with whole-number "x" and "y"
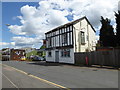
{"x": 68, "y": 29}
{"x": 65, "y": 38}
{"x": 71, "y": 28}
{"x": 49, "y": 42}
{"x": 23, "y": 53}
{"x": 82, "y": 37}
{"x": 17, "y": 52}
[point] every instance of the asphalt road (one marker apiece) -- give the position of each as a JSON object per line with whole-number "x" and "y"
{"x": 15, "y": 79}
{"x": 64, "y": 75}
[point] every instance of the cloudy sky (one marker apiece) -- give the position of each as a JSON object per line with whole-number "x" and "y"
{"x": 29, "y": 21}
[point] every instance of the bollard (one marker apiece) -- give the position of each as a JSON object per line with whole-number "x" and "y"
{"x": 86, "y": 59}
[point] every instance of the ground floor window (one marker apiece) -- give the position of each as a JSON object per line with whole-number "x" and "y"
{"x": 65, "y": 53}
{"x": 49, "y": 54}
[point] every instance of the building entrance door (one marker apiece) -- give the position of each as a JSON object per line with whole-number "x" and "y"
{"x": 56, "y": 56}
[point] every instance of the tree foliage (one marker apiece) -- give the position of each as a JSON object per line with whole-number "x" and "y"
{"x": 117, "y": 28}
{"x": 106, "y": 33}
{"x": 43, "y": 47}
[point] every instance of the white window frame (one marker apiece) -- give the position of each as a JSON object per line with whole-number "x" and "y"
{"x": 65, "y": 53}
{"x": 49, "y": 55}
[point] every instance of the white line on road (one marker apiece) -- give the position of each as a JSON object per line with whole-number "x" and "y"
{"x": 10, "y": 81}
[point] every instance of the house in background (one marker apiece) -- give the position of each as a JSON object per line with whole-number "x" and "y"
{"x": 5, "y": 54}
{"x": 41, "y": 51}
{"x": 63, "y": 41}
{"x": 28, "y": 49}
{"x": 17, "y": 54}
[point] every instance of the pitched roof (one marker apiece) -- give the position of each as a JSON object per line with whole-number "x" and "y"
{"x": 71, "y": 23}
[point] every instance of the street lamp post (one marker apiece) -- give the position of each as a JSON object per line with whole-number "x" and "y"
{"x": 10, "y": 45}
{"x": 7, "y": 24}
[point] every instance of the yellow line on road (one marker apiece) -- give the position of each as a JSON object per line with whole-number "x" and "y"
{"x": 15, "y": 69}
{"x": 49, "y": 82}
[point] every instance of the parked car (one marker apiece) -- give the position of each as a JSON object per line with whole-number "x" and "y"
{"x": 23, "y": 58}
{"x": 32, "y": 57}
{"x": 38, "y": 58}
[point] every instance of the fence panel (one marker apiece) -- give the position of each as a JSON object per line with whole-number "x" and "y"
{"x": 103, "y": 58}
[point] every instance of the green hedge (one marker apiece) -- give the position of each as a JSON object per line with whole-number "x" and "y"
{"x": 31, "y": 53}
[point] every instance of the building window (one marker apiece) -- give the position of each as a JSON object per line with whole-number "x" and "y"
{"x": 68, "y": 29}
{"x": 23, "y": 53}
{"x": 49, "y": 42}
{"x": 65, "y": 38}
{"x": 17, "y": 52}
{"x": 71, "y": 28}
{"x": 65, "y": 53}
{"x": 49, "y": 54}
{"x": 82, "y": 37}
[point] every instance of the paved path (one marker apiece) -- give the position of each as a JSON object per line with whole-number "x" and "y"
{"x": 67, "y": 75}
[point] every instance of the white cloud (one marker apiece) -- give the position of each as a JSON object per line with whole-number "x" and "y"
{"x": 97, "y": 37}
{"x": 12, "y": 43}
{"x": 93, "y": 9}
{"x": 26, "y": 41}
{"x": 7, "y": 45}
{"x": 52, "y": 13}
{"x": 4, "y": 44}
{"x": 119, "y": 5}
{"x": 16, "y": 29}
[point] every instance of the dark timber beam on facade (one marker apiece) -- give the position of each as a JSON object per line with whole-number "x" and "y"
{"x": 59, "y": 34}
{"x": 62, "y": 47}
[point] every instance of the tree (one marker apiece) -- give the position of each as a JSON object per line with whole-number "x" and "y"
{"x": 117, "y": 28}
{"x": 106, "y": 33}
{"x": 43, "y": 47}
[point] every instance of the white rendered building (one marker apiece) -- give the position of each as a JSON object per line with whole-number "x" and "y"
{"x": 63, "y": 41}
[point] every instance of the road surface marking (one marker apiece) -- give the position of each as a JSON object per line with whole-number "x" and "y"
{"x": 49, "y": 82}
{"x": 15, "y": 69}
{"x": 10, "y": 81}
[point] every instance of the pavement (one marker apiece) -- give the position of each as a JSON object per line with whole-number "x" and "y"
{"x": 68, "y": 76}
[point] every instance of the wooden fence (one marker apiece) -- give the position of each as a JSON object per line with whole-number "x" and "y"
{"x": 102, "y": 58}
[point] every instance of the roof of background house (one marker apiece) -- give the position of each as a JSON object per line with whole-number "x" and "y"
{"x": 5, "y": 51}
{"x": 27, "y": 48}
{"x": 72, "y": 22}
{"x": 18, "y": 49}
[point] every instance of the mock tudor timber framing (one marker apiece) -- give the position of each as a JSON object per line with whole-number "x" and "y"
{"x": 54, "y": 36}
{"x": 63, "y": 41}
{"x": 59, "y": 29}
